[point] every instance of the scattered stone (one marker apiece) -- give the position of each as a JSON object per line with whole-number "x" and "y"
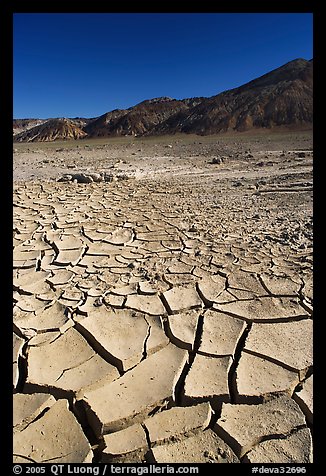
{"x": 97, "y": 177}
{"x": 65, "y": 178}
{"x": 83, "y": 177}
{"x": 216, "y": 160}
{"x": 193, "y": 228}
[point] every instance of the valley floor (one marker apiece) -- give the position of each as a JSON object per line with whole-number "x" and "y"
{"x": 164, "y": 315}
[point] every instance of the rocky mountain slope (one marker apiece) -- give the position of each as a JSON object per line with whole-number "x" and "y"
{"x": 51, "y": 130}
{"x": 282, "y": 97}
{"x": 22, "y": 125}
{"x": 140, "y": 119}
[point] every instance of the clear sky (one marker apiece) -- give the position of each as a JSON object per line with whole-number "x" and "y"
{"x": 86, "y": 64}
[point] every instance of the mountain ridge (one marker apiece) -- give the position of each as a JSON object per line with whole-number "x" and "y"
{"x": 281, "y": 97}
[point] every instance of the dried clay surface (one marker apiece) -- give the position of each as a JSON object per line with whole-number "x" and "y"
{"x": 163, "y": 307}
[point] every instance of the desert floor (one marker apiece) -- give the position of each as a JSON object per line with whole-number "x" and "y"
{"x": 164, "y": 315}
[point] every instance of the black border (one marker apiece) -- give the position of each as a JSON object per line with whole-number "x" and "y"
{"x": 6, "y": 77}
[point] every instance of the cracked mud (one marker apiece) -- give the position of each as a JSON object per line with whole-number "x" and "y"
{"x": 166, "y": 317}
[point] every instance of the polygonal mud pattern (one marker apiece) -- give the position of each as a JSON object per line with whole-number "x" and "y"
{"x": 141, "y": 336}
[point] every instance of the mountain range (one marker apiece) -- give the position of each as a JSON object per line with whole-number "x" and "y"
{"x": 282, "y": 97}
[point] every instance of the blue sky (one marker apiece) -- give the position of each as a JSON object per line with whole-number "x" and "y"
{"x": 69, "y": 65}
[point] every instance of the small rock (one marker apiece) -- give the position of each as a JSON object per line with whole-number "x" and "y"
{"x": 216, "y": 160}
{"x": 193, "y": 228}
{"x": 97, "y": 177}
{"x": 108, "y": 177}
{"x": 65, "y": 178}
{"x": 122, "y": 177}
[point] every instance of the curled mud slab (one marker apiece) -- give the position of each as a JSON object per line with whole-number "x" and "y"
{"x": 168, "y": 317}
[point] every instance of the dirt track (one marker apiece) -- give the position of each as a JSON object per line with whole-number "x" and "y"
{"x": 163, "y": 312}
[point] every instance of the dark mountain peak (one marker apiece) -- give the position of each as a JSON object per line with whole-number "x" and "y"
{"x": 290, "y": 71}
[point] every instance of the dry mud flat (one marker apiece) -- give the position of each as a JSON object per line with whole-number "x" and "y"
{"x": 167, "y": 317}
